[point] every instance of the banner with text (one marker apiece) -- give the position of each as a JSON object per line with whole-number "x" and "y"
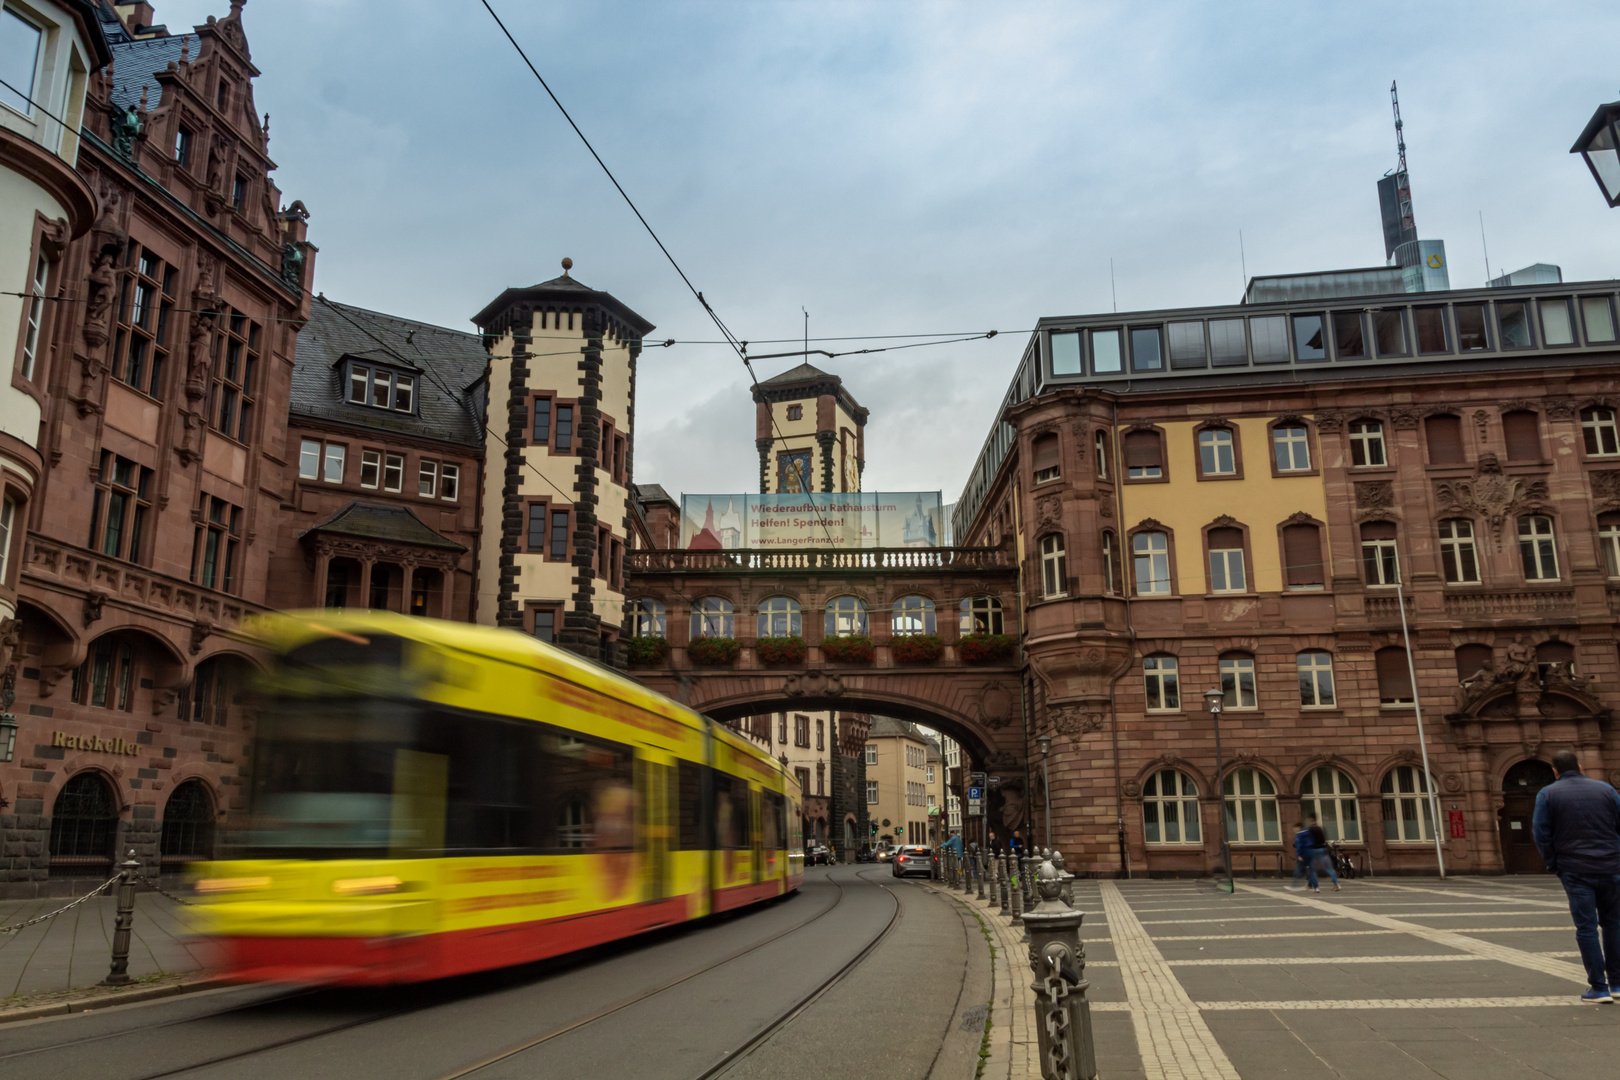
{"x": 853, "y": 519}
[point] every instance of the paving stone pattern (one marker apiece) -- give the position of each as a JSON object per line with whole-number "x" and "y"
{"x": 1471, "y": 978}
{"x": 74, "y": 950}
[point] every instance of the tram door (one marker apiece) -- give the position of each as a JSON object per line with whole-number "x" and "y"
{"x": 756, "y": 839}
{"x": 654, "y": 820}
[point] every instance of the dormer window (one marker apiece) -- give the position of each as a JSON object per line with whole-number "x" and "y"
{"x": 381, "y": 388}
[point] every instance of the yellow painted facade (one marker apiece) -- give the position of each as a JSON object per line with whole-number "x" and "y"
{"x": 800, "y": 435}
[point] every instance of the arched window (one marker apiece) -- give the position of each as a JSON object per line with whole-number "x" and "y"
{"x": 214, "y": 689}
{"x": 912, "y": 615}
{"x": 1367, "y": 444}
{"x": 1170, "y": 809}
{"x": 1331, "y": 796}
{"x": 1047, "y": 463}
{"x": 1408, "y": 818}
{"x": 188, "y": 825}
{"x": 1237, "y": 680}
{"x": 1444, "y": 435}
{"x": 1251, "y": 808}
{"x": 1521, "y": 430}
{"x": 1054, "y": 567}
{"x": 1536, "y": 549}
{"x": 1315, "y": 679}
{"x": 846, "y": 617}
{"x": 1162, "y": 683}
{"x": 1150, "y": 556}
{"x": 1217, "y": 455}
{"x": 1226, "y": 560}
{"x": 1458, "y": 559}
{"x": 1555, "y": 657}
{"x": 1394, "y": 676}
{"x": 1302, "y": 556}
{"x": 648, "y": 618}
{"x": 1378, "y": 556}
{"x": 1609, "y": 541}
{"x": 1144, "y": 455}
{"x": 84, "y": 826}
{"x": 981, "y": 615}
{"x": 713, "y": 616}
{"x": 780, "y": 617}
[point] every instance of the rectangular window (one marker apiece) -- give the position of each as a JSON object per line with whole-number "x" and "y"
{"x": 871, "y": 793}
{"x": 1599, "y": 319}
{"x": 1228, "y": 344}
{"x": 1599, "y": 432}
{"x": 801, "y": 730}
{"x": 8, "y": 518}
{"x": 1389, "y": 333}
{"x": 1144, "y": 455}
{"x": 450, "y": 482}
{"x": 1226, "y": 570}
{"x": 1106, "y": 355}
{"x": 1445, "y": 438}
{"x": 1146, "y": 352}
{"x": 871, "y": 754}
{"x": 1394, "y": 676}
{"x": 214, "y": 549}
{"x": 36, "y": 317}
{"x": 1513, "y": 323}
{"x": 1536, "y": 550}
{"x": 1151, "y": 558}
{"x": 1431, "y": 329}
{"x": 565, "y": 429}
{"x": 1458, "y": 559}
{"x": 427, "y": 479}
{"x": 182, "y": 147}
{"x": 1521, "y": 431}
{"x": 1471, "y": 335}
{"x": 1110, "y": 565}
{"x": 140, "y": 346}
{"x": 1237, "y": 682}
{"x": 1378, "y": 555}
{"x": 370, "y": 468}
{"x": 1292, "y": 448}
{"x": 309, "y": 459}
{"x": 1270, "y": 334}
{"x": 1066, "y": 354}
{"x": 121, "y": 507}
{"x": 333, "y": 472}
{"x": 1054, "y": 567}
{"x": 238, "y": 192}
{"x": 1162, "y": 684}
{"x": 559, "y": 535}
{"x": 19, "y": 60}
{"x": 542, "y": 422}
{"x": 359, "y": 379}
{"x": 235, "y": 372}
{"x": 545, "y": 624}
{"x": 1556, "y": 328}
{"x": 1367, "y": 444}
{"x": 1309, "y": 346}
{"x": 1608, "y": 540}
{"x": 1186, "y": 341}
{"x": 1315, "y": 680}
{"x": 537, "y": 527}
{"x": 1349, "y": 337}
{"x": 393, "y": 472}
{"x": 1216, "y": 452}
{"x": 404, "y": 393}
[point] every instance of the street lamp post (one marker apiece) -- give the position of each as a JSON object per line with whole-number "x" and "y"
{"x": 1215, "y": 701}
{"x": 1599, "y": 144}
{"x": 1045, "y": 742}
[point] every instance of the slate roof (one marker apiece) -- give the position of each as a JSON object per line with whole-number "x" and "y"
{"x": 802, "y": 373}
{"x": 137, "y": 62}
{"x": 450, "y": 362}
{"x": 377, "y": 521}
{"x": 652, "y": 493}
{"x": 883, "y": 726}
{"x": 807, "y": 381}
{"x": 563, "y": 290}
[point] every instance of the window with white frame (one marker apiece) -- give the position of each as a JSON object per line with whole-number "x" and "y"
{"x": 381, "y": 388}
{"x": 1291, "y": 448}
{"x": 981, "y": 615}
{"x": 1367, "y": 444}
{"x": 845, "y": 617}
{"x": 1150, "y": 553}
{"x": 1237, "y": 682}
{"x": 370, "y": 468}
{"x": 1536, "y": 549}
{"x": 20, "y": 43}
{"x": 1170, "y": 809}
{"x": 1459, "y": 561}
{"x": 1111, "y": 572}
{"x": 871, "y": 793}
{"x": 36, "y": 316}
{"x": 1054, "y": 567}
{"x": 780, "y": 616}
{"x": 1101, "y": 443}
{"x": 309, "y": 459}
{"x": 1315, "y": 679}
{"x": 1408, "y": 815}
{"x": 332, "y": 465}
{"x": 912, "y": 615}
{"x": 427, "y": 479}
{"x": 648, "y": 618}
{"x": 1331, "y": 796}
{"x": 449, "y": 482}
{"x": 1609, "y": 541}
{"x": 1251, "y": 808}
{"x": 1226, "y": 561}
{"x": 1163, "y": 684}
{"x": 712, "y": 616}
{"x": 930, "y": 774}
{"x": 1378, "y": 556}
{"x": 8, "y": 518}
{"x": 1217, "y": 454}
{"x": 871, "y": 755}
{"x": 1599, "y": 432}
{"x": 393, "y": 472}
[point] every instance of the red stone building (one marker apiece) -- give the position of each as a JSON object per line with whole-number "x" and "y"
{"x": 164, "y": 391}
{"x": 1243, "y": 499}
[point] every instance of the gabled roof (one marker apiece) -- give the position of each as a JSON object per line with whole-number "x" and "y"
{"x": 137, "y": 61}
{"x": 808, "y": 381}
{"x": 381, "y": 521}
{"x": 889, "y": 727}
{"x": 646, "y": 494}
{"x": 802, "y": 373}
{"x": 568, "y": 293}
{"x": 451, "y": 362}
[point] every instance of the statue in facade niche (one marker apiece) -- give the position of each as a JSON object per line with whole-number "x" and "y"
{"x": 292, "y": 264}
{"x": 1520, "y": 657}
{"x": 99, "y": 296}
{"x": 124, "y": 123}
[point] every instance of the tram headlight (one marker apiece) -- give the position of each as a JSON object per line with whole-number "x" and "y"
{"x": 231, "y": 884}
{"x": 366, "y": 886}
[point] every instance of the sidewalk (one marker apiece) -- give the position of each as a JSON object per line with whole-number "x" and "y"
{"x": 74, "y": 950}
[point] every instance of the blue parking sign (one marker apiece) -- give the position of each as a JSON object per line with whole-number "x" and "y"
{"x": 975, "y": 793}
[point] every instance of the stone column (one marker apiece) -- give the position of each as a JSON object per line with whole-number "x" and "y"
{"x": 408, "y": 573}
{"x": 323, "y": 567}
{"x": 447, "y": 607}
{"x": 366, "y": 563}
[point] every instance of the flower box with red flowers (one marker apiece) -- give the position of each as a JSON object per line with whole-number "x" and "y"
{"x": 781, "y": 651}
{"x": 646, "y": 651}
{"x": 713, "y": 651}
{"x": 916, "y": 648}
{"x": 854, "y": 649}
{"x": 984, "y": 648}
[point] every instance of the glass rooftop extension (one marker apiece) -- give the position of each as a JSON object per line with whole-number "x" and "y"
{"x": 1304, "y": 341}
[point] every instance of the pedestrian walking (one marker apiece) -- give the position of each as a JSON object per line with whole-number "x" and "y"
{"x": 1303, "y": 866}
{"x": 1321, "y": 858}
{"x": 1577, "y": 830}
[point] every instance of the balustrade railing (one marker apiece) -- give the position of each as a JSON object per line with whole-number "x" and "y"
{"x": 820, "y": 559}
{"x": 1473, "y": 605}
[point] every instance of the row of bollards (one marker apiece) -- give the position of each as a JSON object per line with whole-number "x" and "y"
{"x": 1037, "y": 892}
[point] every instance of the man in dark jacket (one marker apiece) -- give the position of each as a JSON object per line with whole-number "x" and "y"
{"x": 1577, "y": 830}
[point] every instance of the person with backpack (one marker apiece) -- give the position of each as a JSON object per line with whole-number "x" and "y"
{"x": 1576, "y": 827}
{"x": 1321, "y": 858}
{"x": 1303, "y": 866}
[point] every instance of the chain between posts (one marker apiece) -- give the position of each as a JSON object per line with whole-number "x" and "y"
{"x": 99, "y": 889}
{"x": 1057, "y": 1021}
{"x": 155, "y": 887}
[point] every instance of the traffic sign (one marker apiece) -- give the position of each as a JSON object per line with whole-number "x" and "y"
{"x": 995, "y": 781}
{"x": 975, "y": 793}
{"x": 977, "y": 778}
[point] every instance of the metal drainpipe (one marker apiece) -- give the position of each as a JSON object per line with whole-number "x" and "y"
{"x": 1130, "y": 627}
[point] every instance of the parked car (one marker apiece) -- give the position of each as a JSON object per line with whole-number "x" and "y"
{"x": 819, "y": 855}
{"x": 865, "y": 855}
{"x": 913, "y": 860}
{"x": 883, "y": 854}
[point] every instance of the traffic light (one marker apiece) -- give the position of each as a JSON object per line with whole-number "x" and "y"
{"x": 899, "y": 830}
{"x": 874, "y": 828}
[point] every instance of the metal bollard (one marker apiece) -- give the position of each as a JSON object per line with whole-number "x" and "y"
{"x": 1026, "y": 875}
{"x": 1018, "y": 894}
{"x": 1058, "y": 960}
{"x": 1067, "y": 895}
{"x": 978, "y": 871}
{"x": 1004, "y": 869}
{"x": 119, "y": 973}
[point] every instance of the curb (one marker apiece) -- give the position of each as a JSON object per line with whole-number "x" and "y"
{"x": 92, "y": 1002}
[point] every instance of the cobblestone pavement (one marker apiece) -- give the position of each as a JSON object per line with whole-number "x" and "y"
{"x": 74, "y": 950}
{"x": 1410, "y": 978}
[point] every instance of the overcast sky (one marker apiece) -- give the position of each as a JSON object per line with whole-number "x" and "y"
{"x": 905, "y": 168}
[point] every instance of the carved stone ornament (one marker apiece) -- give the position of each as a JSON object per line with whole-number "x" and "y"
{"x": 1560, "y": 408}
{"x": 1226, "y": 521}
{"x": 1518, "y": 405}
{"x": 1329, "y": 420}
{"x": 1105, "y": 507}
{"x": 1153, "y": 524}
{"x": 1605, "y": 487}
{"x": 996, "y": 706}
{"x": 1048, "y": 512}
{"x": 199, "y": 633}
{"x": 1490, "y": 495}
{"x": 1404, "y": 418}
{"x": 1078, "y": 429}
{"x": 93, "y": 602}
{"x": 1452, "y": 783}
{"x": 10, "y": 635}
{"x": 1375, "y": 495}
{"x": 813, "y": 684}
{"x": 1299, "y": 517}
{"x": 1075, "y": 721}
{"x": 1482, "y": 420}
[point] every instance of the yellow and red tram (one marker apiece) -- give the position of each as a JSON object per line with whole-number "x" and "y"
{"x": 429, "y": 798}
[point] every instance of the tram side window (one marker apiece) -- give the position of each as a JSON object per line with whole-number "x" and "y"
{"x": 731, "y": 824}
{"x": 588, "y": 799}
{"x": 775, "y": 822}
{"x": 690, "y": 782}
{"x": 496, "y": 772}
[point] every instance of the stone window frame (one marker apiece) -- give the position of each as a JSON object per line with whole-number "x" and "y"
{"x": 1254, "y": 676}
{"x": 1462, "y": 439}
{"x": 1608, "y": 538}
{"x": 1164, "y": 455}
{"x": 1473, "y": 540}
{"x": 1313, "y": 445}
{"x": 1250, "y": 586}
{"x": 1361, "y": 552}
{"x": 39, "y": 246}
{"x": 1152, "y": 526}
{"x": 1302, "y": 518}
{"x": 1216, "y": 423}
{"x": 1532, "y": 513}
{"x": 1263, "y": 775}
{"x": 1061, "y": 557}
{"x": 1333, "y": 680}
{"x": 1159, "y": 675}
{"x": 1539, "y": 415}
{"x": 1383, "y": 441}
{"x": 1035, "y": 444}
{"x": 1613, "y": 424}
{"x": 533, "y": 607}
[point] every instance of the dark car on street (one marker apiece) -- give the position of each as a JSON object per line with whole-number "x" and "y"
{"x": 913, "y": 860}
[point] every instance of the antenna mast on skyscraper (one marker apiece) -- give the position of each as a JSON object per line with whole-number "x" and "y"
{"x": 1404, "y": 183}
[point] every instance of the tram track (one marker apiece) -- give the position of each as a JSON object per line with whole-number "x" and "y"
{"x": 415, "y": 1006}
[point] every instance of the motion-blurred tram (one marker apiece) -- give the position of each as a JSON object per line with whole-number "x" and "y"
{"x": 427, "y": 799}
